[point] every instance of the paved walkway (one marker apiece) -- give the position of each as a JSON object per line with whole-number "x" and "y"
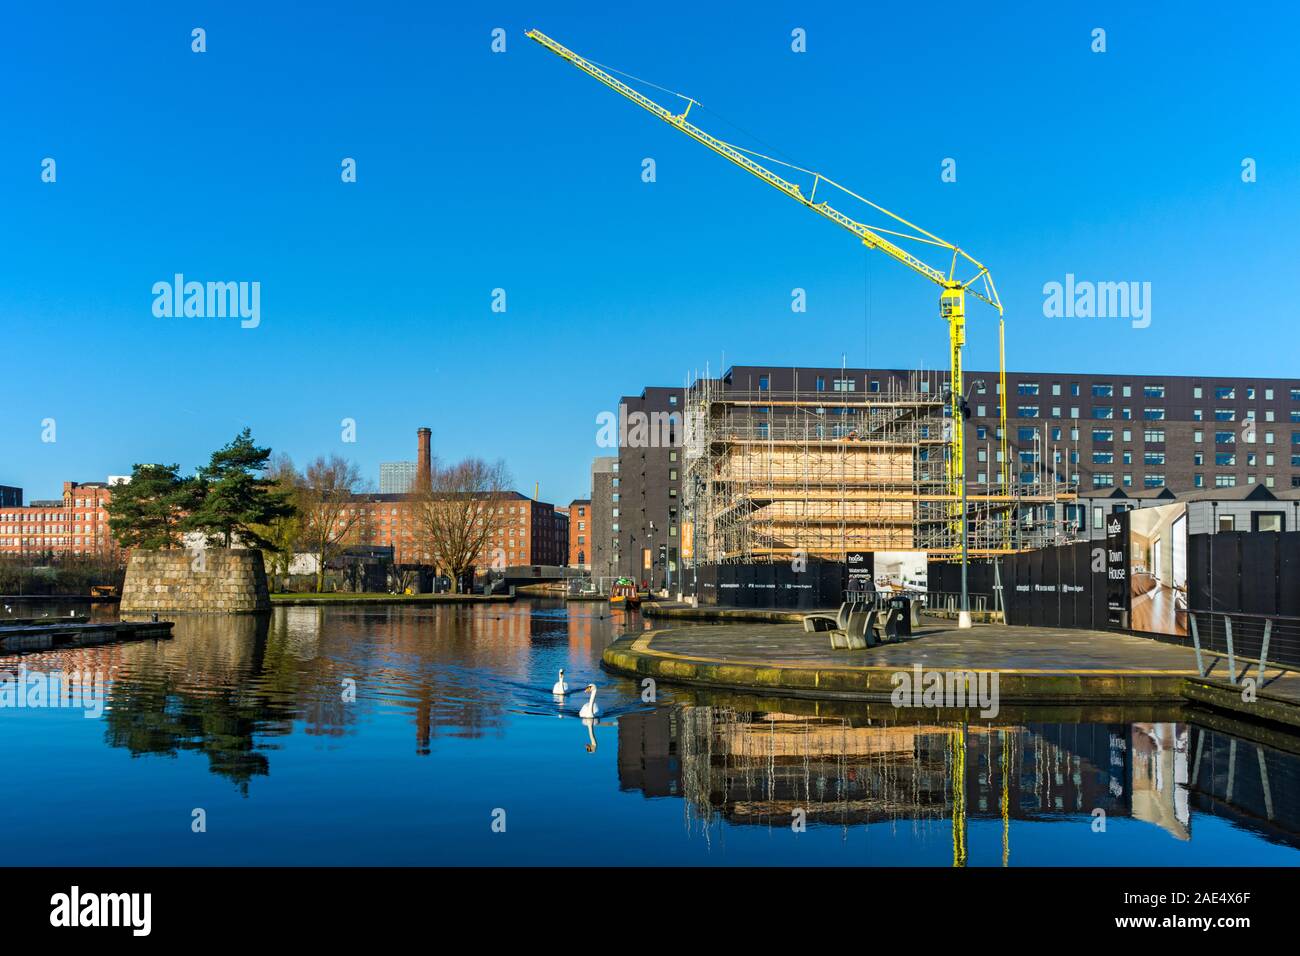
{"x": 1033, "y": 664}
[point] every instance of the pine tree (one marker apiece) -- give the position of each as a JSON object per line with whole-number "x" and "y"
{"x": 236, "y": 495}
{"x": 147, "y": 511}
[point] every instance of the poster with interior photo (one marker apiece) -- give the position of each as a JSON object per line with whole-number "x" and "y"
{"x": 901, "y": 571}
{"x": 1158, "y": 569}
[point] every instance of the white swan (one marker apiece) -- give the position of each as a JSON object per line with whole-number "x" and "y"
{"x": 560, "y": 688}
{"x": 589, "y": 709}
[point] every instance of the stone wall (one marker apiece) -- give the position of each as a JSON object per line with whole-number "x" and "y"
{"x": 218, "y": 580}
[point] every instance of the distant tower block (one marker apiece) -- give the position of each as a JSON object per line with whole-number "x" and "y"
{"x": 424, "y": 457}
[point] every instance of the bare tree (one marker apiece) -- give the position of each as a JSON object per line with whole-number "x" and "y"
{"x": 327, "y": 508}
{"x": 457, "y": 512}
{"x": 283, "y": 532}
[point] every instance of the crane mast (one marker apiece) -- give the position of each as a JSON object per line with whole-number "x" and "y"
{"x": 952, "y": 300}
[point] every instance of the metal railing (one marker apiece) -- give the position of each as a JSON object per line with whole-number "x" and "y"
{"x": 1259, "y": 641}
{"x": 949, "y": 602}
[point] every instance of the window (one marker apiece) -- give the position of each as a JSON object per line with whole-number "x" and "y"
{"x": 1225, "y": 414}
{"x": 1225, "y": 393}
{"x": 981, "y": 432}
{"x": 1103, "y": 391}
{"x": 1098, "y": 517}
{"x": 1250, "y": 393}
{"x": 1225, "y": 438}
{"x": 1155, "y": 436}
{"x": 1056, "y": 433}
{"x": 1227, "y": 522}
{"x": 1103, "y": 480}
{"x": 821, "y": 383}
{"x": 1268, "y": 521}
{"x": 1027, "y": 411}
{"x": 1154, "y": 481}
{"x": 1056, "y": 388}
{"x": 1198, "y": 459}
{"x": 1103, "y": 434}
{"x": 1198, "y": 481}
{"x": 1103, "y": 458}
{"x": 1153, "y": 458}
{"x": 762, "y": 383}
{"x": 875, "y": 385}
{"x": 843, "y": 385}
{"x": 1153, "y": 391}
{"x": 1225, "y": 481}
{"x": 1198, "y": 415}
{"x": 981, "y": 411}
{"x": 1153, "y": 414}
{"x": 1128, "y": 391}
{"x": 1128, "y": 458}
{"x": 1027, "y": 388}
{"x": 1103, "y": 411}
{"x": 1197, "y": 392}
{"x": 1026, "y": 434}
{"x": 1268, "y": 395}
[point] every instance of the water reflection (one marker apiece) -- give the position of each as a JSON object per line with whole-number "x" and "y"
{"x": 762, "y": 768}
{"x": 376, "y": 709}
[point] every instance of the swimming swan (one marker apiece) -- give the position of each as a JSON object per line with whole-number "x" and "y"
{"x": 589, "y": 709}
{"x": 560, "y": 687}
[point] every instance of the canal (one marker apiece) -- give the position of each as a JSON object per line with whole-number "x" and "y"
{"x": 424, "y": 736}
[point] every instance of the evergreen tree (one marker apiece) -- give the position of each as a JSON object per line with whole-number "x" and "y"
{"x": 237, "y": 495}
{"x": 148, "y": 511}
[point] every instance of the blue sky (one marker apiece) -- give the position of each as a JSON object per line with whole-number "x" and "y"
{"x": 479, "y": 171}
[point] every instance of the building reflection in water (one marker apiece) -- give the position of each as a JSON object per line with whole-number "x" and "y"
{"x": 223, "y": 685}
{"x": 758, "y": 768}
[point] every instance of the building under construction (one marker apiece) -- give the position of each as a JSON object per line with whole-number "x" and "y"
{"x": 785, "y": 462}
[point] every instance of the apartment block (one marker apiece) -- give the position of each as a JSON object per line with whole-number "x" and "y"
{"x": 645, "y": 511}
{"x": 604, "y": 525}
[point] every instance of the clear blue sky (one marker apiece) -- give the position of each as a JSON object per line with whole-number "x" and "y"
{"x": 478, "y": 170}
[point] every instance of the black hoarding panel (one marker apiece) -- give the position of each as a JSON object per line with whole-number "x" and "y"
{"x": 1198, "y": 571}
{"x": 706, "y": 584}
{"x": 1049, "y": 587}
{"x": 1035, "y": 582}
{"x": 1289, "y": 574}
{"x": 1017, "y": 589}
{"x": 1225, "y": 571}
{"x": 1068, "y": 588}
{"x": 1259, "y": 569}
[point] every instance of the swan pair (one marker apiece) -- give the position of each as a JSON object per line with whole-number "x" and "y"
{"x": 589, "y": 709}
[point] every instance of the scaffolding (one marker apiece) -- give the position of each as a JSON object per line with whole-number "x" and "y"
{"x": 777, "y": 475}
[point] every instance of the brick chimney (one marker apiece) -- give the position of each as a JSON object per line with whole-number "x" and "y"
{"x": 424, "y": 457}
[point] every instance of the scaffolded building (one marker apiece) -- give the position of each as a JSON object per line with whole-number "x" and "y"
{"x": 771, "y": 475}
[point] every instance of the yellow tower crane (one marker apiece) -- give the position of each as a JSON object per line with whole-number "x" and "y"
{"x": 952, "y": 300}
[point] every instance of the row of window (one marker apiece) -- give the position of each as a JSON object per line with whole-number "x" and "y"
{"x": 1153, "y": 390}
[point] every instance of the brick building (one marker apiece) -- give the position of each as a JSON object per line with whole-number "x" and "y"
{"x": 76, "y": 524}
{"x": 580, "y": 533}
{"x": 527, "y": 531}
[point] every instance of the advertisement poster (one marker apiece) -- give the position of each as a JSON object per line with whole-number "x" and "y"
{"x": 859, "y": 568}
{"x": 1117, "y": 587}
{"x": 901, "y": 571}
{"x": 1158, "y": 569}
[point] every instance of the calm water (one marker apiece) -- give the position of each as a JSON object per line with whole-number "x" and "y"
{"x": 453, "y": 721}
